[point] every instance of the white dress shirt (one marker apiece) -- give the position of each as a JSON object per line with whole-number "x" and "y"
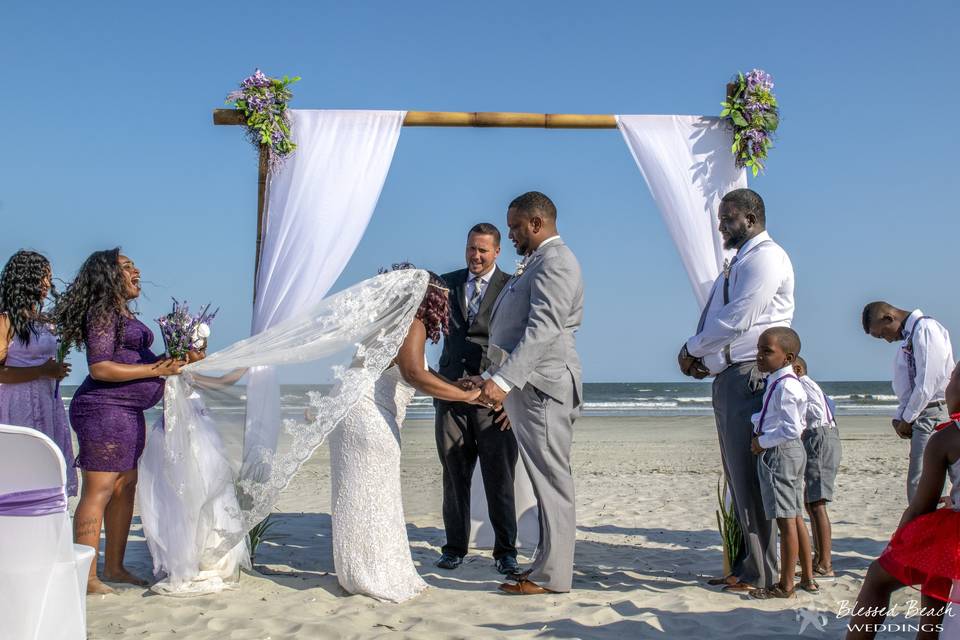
{"x": 499, "y": 380}
{"x": 933, "y": 355}
{"x": 784, "y": 409}
{"x": 820, "y": 408}
{"x": 472, "y": 284}
{"x": 761, "y": 296}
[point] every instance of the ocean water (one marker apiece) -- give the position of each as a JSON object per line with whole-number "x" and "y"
{"x": 694, "y": 398}
{"x": 636, "y": 399}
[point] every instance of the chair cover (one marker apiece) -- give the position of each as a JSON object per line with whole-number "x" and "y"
{"x": 43, "y": 575}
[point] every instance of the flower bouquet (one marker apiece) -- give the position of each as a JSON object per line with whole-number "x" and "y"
{"x": 183, "y": 332}
{"x": 263, "y": 102}
{"x": 752, "y": 111}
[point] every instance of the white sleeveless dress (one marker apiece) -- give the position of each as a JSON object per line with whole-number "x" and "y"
{"x": 371, "y": 552}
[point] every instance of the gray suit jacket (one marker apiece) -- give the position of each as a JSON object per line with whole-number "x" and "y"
{"x": 533, "y": 324}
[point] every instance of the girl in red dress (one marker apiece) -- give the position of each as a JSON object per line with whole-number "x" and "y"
{"x": 925, "y": 549}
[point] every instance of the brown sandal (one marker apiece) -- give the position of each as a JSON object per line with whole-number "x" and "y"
{"x": 770, "y": 593}
{"x": 810, "y": 587}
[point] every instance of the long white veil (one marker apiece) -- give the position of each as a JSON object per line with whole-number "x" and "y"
{"x": 198, "y": 495}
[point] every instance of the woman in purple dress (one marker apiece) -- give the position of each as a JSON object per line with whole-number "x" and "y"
{"x": 29, "y": 372}
{"x": 107, "y": 410}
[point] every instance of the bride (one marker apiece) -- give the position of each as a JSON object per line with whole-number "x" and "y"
{"x": 215, "y": 465}
{"x": 371, "y": 552}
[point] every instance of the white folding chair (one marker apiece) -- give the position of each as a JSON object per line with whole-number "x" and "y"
{"x": 43, "y": 575}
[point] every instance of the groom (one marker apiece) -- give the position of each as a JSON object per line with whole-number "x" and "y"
{"x": 535, "y": 374}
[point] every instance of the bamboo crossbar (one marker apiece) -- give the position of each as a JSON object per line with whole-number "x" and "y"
{"x": 475, "y": 119}
{"x": 424, "y": 119}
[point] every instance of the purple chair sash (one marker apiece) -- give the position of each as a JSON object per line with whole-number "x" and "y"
{"x": 35, "y": 502}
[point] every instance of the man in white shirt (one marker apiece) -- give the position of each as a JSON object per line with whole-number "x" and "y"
{"x": 754, "y": 293}
{"x": 921, "y": 370}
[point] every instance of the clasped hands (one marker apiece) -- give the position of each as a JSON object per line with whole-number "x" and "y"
{"x": 903, "y": 428}
{"x": 491, "y": 396}
{"x": 691, "y": 366}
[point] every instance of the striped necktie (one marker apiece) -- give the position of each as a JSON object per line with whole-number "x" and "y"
{"x": 473, "y": 308}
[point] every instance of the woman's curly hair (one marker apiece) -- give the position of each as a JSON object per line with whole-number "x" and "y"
{"x": 22, "y": 294}
{"x": 95, "y": 296}
{"x": 434, "y": 310}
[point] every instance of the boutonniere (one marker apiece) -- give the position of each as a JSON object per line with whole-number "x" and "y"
{"x": 521, "y": 266}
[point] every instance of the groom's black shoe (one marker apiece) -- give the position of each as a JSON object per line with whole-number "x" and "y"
{"x": 449, "y": 561}
{"x": 507, "y": 565}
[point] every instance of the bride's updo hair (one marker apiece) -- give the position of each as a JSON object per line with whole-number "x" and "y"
{"x": 434, "y": 310}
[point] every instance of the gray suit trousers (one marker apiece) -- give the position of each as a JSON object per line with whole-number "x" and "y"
{"x": 924, "y": 427}
{"x": 733, "y": 403}
{"x": 544, "y": 430}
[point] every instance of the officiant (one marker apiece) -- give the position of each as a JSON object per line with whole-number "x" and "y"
{"x": 468, "y": 433}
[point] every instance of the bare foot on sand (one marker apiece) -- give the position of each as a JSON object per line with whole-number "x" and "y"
{"x": 95, "y": 587}
{"x": 122, "y": 575}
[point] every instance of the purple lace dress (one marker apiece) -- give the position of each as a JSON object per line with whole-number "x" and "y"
{"x": 108, "y": 416}
{"x": 37, "y": 403}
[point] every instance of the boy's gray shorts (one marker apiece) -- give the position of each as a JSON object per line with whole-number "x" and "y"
{"x": 822, "y": 446}
{"x": 780, "y": 471}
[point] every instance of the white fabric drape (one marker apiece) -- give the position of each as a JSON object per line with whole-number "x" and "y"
{"x": 319, "y": 205}
{"x": 482, "y": 535}
{"x": 687, "y": 164}
{"x": 195, "y": 508}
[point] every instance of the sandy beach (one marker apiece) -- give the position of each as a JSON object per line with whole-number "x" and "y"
{"x": 646, "y": 540}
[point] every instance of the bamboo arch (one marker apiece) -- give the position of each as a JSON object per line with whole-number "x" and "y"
{"x": 426, "y": 119}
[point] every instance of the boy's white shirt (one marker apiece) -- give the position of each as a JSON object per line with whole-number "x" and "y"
{"x": 786, "y": 405}
{"x": 819, "y": 407}
{"x": 933, "y": 356}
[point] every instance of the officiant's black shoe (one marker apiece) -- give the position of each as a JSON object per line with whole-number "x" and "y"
{"x": 449, "y": 561}
{"x": 507, "y": 565}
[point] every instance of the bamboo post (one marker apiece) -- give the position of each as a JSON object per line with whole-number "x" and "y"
{"x": 262, "y": 176}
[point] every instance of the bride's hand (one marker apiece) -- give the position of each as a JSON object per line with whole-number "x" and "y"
{"x": 472, "y": 396}
{"x": 501, "y": 419}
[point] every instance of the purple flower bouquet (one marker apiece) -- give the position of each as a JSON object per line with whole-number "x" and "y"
{"x": 751, "y": 109}
{"x": 263, "y": 102}
{"x": 183, "y": 332}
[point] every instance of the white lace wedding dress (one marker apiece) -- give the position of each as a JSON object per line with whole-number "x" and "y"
{"x": 227, "y": 446}
{"x": 371, "y": 551}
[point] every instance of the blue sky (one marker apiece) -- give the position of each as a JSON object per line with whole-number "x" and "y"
{"x": 108, "y": 141}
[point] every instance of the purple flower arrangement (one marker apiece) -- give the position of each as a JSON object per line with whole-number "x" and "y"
{"x": 752, "y": 112}
{"x": 263, "y": 101}
{"x": 183, "y": 332}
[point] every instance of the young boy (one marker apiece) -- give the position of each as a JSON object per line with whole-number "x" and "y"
{"x": 821, "y": 441}
{"x": 780, "y": 457}
{"x": 920, "y": 373}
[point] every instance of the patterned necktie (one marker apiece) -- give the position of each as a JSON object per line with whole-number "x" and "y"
{"x": 474, "y": 307}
